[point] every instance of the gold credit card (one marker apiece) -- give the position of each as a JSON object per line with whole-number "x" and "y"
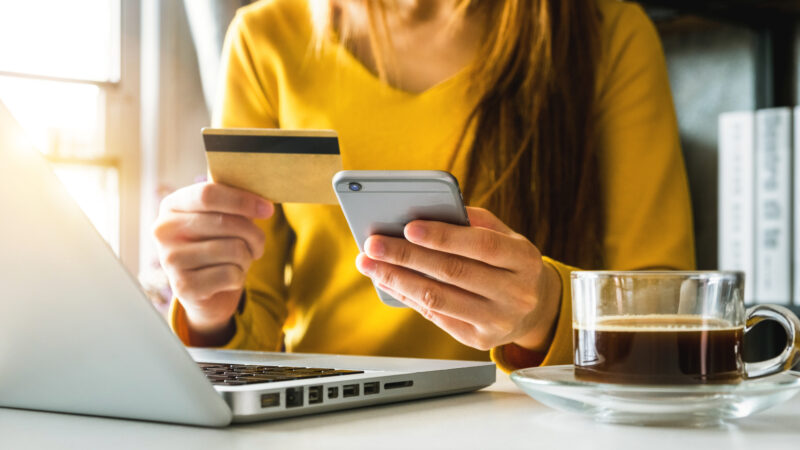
{"x": 284, "y": 166}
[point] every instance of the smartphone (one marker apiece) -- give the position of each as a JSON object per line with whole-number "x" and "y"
{"x": 384, "y": 201}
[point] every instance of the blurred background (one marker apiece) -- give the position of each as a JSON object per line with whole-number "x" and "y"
{"x": 115, "y": 96}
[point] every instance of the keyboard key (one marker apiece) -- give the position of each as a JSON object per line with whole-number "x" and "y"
{"x": 246, "y": 374}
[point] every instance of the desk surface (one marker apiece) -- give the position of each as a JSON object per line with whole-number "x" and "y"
{"x": 500, "y": 416}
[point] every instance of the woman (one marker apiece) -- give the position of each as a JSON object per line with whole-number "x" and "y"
{"x": 555, "y": 115}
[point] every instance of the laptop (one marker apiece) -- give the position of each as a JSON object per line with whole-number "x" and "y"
{"x": 78, "y": 335}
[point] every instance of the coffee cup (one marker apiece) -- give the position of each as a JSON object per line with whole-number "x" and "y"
{"x": 670, "y": 327}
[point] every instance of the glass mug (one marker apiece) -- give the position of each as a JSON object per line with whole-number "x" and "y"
{"x": 670, "y": 327}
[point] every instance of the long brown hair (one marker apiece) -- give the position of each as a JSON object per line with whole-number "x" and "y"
{"x": 533, "y": 122}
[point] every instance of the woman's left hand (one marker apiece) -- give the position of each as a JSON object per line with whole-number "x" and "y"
{"x": 486, "y": 285}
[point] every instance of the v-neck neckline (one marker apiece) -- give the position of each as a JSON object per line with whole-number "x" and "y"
{"x": 365, "y": 72}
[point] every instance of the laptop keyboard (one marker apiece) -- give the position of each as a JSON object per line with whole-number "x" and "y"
{"x": 243, "y": 374}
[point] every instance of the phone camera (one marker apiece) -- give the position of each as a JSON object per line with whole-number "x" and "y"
{"x": 353, "y": 186}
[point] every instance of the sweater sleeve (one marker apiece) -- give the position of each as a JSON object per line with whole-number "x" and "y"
{"x": 247, "y": 100}
{"x": 648, "y": 220}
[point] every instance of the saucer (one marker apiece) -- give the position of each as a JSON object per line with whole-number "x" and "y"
{"x": 685, "y": 405}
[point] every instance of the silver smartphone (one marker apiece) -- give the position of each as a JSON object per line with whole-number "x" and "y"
{"x": 384, "y": 201}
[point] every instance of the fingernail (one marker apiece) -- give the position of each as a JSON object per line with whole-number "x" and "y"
{"x": 375, "y": 248}
{"x": 366, "y": 266}
{"x": 264, "y": 209}
{"x": 415, "y": 232}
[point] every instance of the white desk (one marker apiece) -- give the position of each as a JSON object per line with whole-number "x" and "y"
{"x": 500, "y": 416}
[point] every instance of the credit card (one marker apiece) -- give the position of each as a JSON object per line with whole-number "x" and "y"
{"x": 284, "y": 166}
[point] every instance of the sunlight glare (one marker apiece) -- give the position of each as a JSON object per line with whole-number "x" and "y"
{"x": 70, "y": 39}
{"x": 62, "y": 119}
{"x": 66, "y": 40}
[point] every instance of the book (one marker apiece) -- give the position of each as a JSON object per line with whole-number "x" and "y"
{"x": 773, "y": 252}
{"x": 736, "y": 196}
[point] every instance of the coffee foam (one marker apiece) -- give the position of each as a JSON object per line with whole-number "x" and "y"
{"x": 657, "y": 322}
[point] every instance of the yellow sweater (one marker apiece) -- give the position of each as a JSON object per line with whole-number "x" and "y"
{"x": 273, "y": 78}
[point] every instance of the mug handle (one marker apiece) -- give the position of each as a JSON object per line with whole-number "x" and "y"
{"x": 790, "y": 355}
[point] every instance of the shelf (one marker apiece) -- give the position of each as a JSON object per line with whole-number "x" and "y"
{"x": 753, "y": 13}
{"x": 775, "y": 24}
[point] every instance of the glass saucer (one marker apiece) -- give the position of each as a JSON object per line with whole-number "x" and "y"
{"x": 687, "y": 405}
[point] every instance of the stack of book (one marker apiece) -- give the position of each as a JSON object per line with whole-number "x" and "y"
{"x": 759, "y": 202}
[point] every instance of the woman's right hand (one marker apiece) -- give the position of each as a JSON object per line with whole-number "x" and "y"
{"x": 206, "y": 242}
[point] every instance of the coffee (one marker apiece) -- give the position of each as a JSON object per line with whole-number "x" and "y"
{"x": 659, "y": 349}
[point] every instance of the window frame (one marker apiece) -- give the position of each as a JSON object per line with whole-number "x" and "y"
{"x": 123, "y": 131}
{"x": 121, "y": 100}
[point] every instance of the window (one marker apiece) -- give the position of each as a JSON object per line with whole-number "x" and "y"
{"x": 69, "y": 74}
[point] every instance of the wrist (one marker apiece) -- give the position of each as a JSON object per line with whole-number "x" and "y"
{"x": 212, "y": 324}
{"x": 543, "y": 327}
{"x": 212, "y": 337}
